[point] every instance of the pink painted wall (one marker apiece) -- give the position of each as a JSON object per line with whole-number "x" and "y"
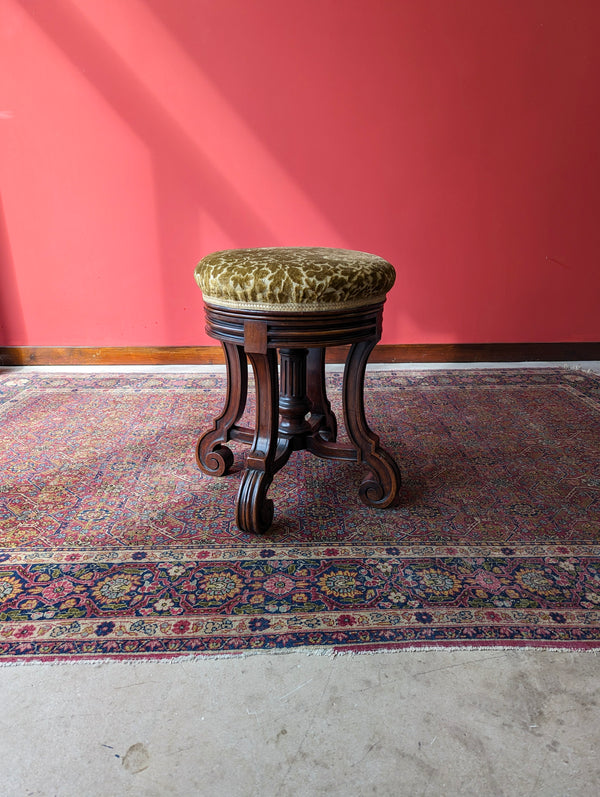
{"x": 457, "y": 138}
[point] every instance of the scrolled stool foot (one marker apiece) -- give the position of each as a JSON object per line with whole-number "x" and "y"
{"x": 254, "y": 511}
{"x": 381, "y": 486}
{"x": 372, "y": 493}
{"x": 216, "y": 462}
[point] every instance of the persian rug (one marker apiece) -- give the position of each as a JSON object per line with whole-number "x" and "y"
{"x": 113, "y": 543}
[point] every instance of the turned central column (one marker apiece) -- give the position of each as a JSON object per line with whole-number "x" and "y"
{"x": 294, "y": 403}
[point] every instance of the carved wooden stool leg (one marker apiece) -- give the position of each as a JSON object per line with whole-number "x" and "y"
{"x": 317, "y": 393}
{"x": 212, "y": 457}
{"x": 254, "y": 512}
{"x": 381, "y": 486}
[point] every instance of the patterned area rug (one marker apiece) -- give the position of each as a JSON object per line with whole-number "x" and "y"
{"x": 112, "y": 543}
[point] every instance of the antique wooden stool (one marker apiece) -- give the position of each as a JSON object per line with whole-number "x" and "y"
{"x": 296, "y": 301}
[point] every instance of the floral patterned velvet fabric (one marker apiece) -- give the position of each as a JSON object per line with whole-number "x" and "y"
{"x": 297, "y": 279}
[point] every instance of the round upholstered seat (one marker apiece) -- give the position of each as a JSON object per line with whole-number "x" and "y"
{"x": 293, "y": 279}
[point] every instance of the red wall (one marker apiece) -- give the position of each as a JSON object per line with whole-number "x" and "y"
{"x": 457, "y": 138}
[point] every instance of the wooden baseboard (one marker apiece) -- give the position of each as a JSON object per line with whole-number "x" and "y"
{"x": 211, "y": 355}
{"x": 111, "y": 355}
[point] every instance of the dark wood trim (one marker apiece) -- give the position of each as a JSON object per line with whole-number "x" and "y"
{"x": 211, "y": 355}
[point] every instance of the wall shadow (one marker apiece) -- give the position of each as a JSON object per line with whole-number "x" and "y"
{"x": 181, "y": 168}
{"x": 320, "y": 92}
{"x": 475, "y": 174}
{"x": 12, "y": 321}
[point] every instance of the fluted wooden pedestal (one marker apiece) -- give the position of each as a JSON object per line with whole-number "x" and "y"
{"x": 292, "y": 409}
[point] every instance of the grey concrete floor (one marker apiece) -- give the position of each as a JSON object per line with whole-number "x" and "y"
{"x": 430, "y": 722}
{"x": 491, "y": 722}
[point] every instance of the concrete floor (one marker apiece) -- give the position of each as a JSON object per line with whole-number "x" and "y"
{"x": 491, "y": 722}
{"x": 443, "y": 722}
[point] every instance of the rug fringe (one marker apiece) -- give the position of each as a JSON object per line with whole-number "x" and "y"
{"x": 329, "y": 652}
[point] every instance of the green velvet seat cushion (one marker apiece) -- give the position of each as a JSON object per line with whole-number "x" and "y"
{"x": 293, "y": 279}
